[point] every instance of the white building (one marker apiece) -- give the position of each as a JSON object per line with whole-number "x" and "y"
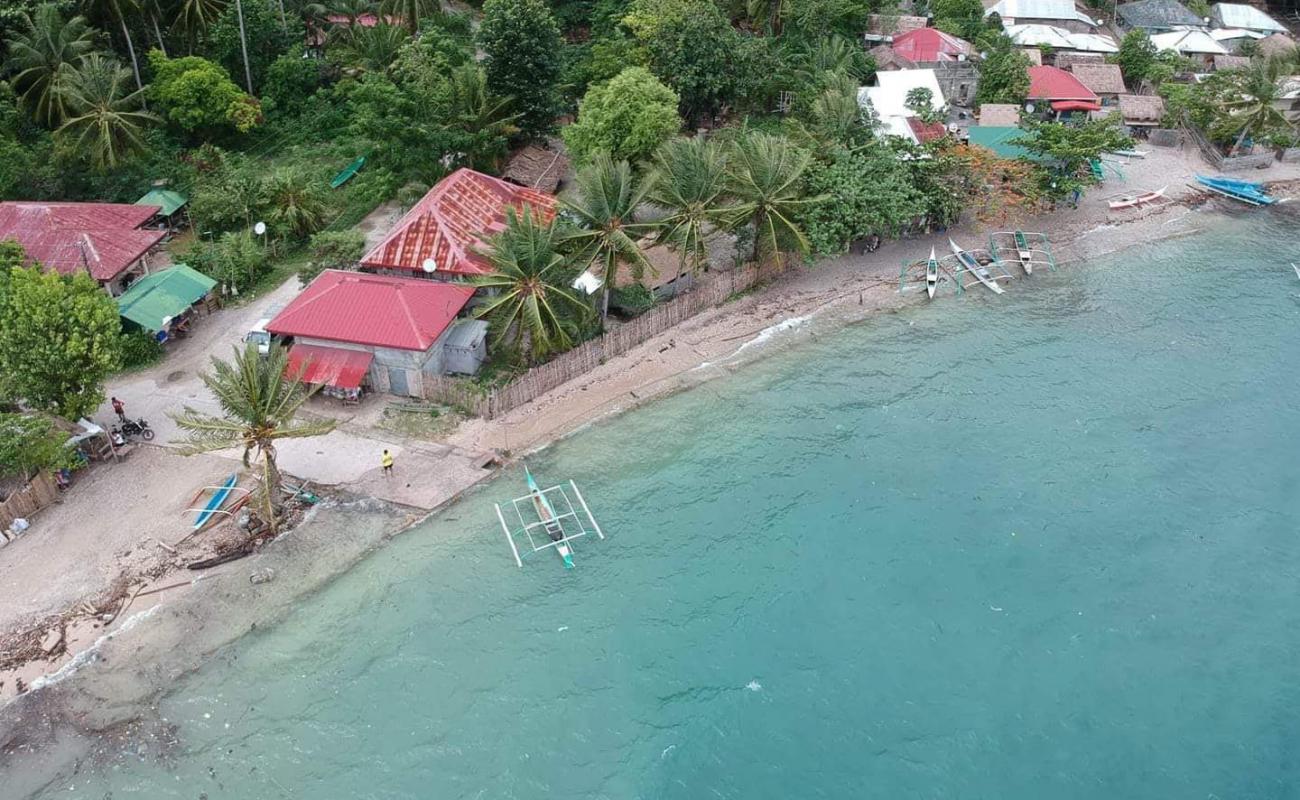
{"x": 888, "y": 99}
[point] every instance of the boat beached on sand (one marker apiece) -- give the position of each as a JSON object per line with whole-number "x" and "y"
{"x": 973, "y": 266}
{"x": 1245, "y": 191}
{"x": 1136, "y": 200}
{"x": 931, "y": 274}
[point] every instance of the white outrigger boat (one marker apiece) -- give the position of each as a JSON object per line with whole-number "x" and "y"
{"x": 931, "y": 274}
{"x": 552, "y": 516}
{"x": 972, "y": 265}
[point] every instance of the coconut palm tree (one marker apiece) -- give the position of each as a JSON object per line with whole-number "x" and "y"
{"x": 603, "y": 203}
{"x": 106, "y": 119}
{"x": 374, "y": 48}
{"x": 116, "y": 10}
{"x": 766, "y": 178}
{"x": 410, "y": 12}
{"x": 688, "y": 178}
{"x": 294, "y": 204}
{"x": 533, "y": 307}
{"x": 259, "y": 406}
{"x": 1251, "y": 105}
{"x": 40, "y": 56}
{"x": 194, "y": 17}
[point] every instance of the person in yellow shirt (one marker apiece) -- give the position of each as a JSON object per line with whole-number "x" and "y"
{"x": 387, "y": 462}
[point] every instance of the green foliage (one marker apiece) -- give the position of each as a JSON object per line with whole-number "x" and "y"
{"x": 815, "y": 20}
{"x": 140, "y": 349}
{"x": 264, "y": 35}
{"x": 521, "y": 43}
{"x": 26, "y": 156}
{"x": 290, "y": 82}
{"x": 1004, "y": 76}
{"x": 198, "y": 95}
{"x": 234, "y": 259}
{"x": 332, "y": 250}
{"x": 964, "y": 18}
{"x": 1136, "y": 57}
{"x": 688, "y": 179}
{"x": 766, "y": 179}
{"x": 374, "y": 49}
{"x": 59, "y": 338}
{"x": 30, "y": 443}
{"x": 626, "y": 118}
{"x": 40, "y": 57}
{"x": 1070, "y": 148}
{"x": 861, "y": 192}
{"x": 531, "y": 307}
{"x": 633, "y": 300}
{"x": 691, "y": 46}
{"x": 920, "y": 101}
{"x": 105, "y": 119}
{"x": 294, "y": 204}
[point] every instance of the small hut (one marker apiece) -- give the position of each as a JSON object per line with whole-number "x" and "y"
{"x": 535, "y": 167}
{"x": 1105, "y": 80}
{"x": 1141, "y": 112}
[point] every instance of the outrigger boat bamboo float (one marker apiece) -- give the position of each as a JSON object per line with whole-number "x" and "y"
{"x": 973, "y": 266}
{"x": 1135, "y": 200}
{"x": 931, "y": 274}
{"x": 551, "y": 515}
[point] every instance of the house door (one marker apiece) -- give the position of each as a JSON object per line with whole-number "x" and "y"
{"x": 397, "y": 381}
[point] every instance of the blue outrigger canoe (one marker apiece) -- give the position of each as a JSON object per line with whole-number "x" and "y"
{"x": 1245, "y": 191}
{"x": 215, "y": 502}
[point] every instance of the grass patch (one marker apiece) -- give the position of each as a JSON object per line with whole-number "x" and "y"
{"x": 420, "y": 420}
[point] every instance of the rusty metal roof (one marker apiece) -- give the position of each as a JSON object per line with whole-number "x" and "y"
{"x": 101, "y": 238}
{"x": 453, "y": 221}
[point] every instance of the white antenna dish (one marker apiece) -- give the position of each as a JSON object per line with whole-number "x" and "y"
{"x": 429, "y": 265}
{"x": 259, "y": 228}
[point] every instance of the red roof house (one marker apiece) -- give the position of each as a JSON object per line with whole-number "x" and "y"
{"x": 452, "y": 222}
{"x": 928, "y": 45}
{"x": 1063, "y": 90}
{"x": 352, "y": 326}
{"x": 104, "y": 239}
{"x": 374, "y": 310}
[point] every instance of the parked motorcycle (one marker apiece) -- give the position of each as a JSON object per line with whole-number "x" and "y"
{"x": 135, "y": 428}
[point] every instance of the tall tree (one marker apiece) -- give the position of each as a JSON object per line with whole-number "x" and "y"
{"x": 106, "y": 119}
{"x": 603, "y": 203}
{"x": 522, "y": 55}
{"x": 195, "y": 17}
{"x": 411, "y": 12}
{"x": 690, "y": 46}
{"x": 766, "y": 177}
{"x": 531, "y": 307}
{"x": 626, "y": 117}
{"x": 245, "y": 39}
{"x": 1004, "y": 75}
{"x": 689, "y": 179}
{"x": 116, "y": 10}
{"x": 259, "y": 406}
{"x": 1136, "y": 56}
{"x": 40, "y": 55}
{"x": 59, "y": 338}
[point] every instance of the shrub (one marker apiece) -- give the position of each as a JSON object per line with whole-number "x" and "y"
{"x": 332, "y": 250}
{"x": 140, "y": 349}
{"x": 632, "y": 300}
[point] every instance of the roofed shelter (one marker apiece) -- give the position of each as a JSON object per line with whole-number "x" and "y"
{"x": 1061, "y": 89}
{"x": 397, "y": 324}
{"x": 889, "y": 98}
{"x": 1104, "y": 80}
{"x": 1000, "y": 141}
{"x": 537, "y": 168}
{"x": 170, "y": 205}
{"x": 1061, "y": 40}
{"x": 159, "y": 301}
{"x": 103, "y": 239}
{"x": 1141, "y": 110}
{"x": 1277, "y": 45}
{"x": 1197, "y": 45}
{"x": 884, "y": 27}
{"x": 1157, "y": 16}
{"x": 1239, "y": 15}
{"x": 442, "y": 235}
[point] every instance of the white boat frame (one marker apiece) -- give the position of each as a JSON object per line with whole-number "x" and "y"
{"x": 567, "y": 517}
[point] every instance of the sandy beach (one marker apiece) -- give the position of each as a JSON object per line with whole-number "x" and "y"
{"x": 100, "y": 697}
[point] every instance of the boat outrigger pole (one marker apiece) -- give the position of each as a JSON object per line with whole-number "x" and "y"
{"x": 552, "y": 513}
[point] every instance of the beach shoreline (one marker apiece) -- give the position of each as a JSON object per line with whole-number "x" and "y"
{"x": 104, "y": 705}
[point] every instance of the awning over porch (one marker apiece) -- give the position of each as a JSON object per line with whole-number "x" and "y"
{"x": 332, "y": 366}
{"x": 1075, "y": 105}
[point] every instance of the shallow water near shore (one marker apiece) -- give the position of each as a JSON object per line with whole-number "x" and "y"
{"x": 1041, "y": 545}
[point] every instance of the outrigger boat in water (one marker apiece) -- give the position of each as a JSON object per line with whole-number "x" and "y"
{"x": 973, "y": 266}
{"x": 551, "y": 515}
{"x": 931, "y": 274}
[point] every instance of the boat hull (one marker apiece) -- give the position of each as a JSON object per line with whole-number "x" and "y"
{"x": 973, "y": 267}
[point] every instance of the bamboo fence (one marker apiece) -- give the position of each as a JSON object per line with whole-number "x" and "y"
{"x": 480, "y": 402}
{"x": 37, "y": 494}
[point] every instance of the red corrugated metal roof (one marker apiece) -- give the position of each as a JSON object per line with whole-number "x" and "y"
{"x": 454, "y": 219}
{"x": 926, "y": 45}
{"x": 377, "y": 310}
{"x": 1050, "y": 83}
{"x": 102, "y": 238}
{"x": 926, "y": 131}
{"x": 332, "y": 366}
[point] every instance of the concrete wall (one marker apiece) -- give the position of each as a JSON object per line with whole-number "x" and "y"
{"x": 1290, "y": 155}
{"x": 957, "y": 79}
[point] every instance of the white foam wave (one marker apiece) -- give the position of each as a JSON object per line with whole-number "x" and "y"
{"x": 91, "y": 653}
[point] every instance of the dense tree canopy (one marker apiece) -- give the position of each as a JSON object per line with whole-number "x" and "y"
{"x": 521, "y": 44}
{"x": 1004, "y": 76}
{"x": 626, "y": 117}
{"x": 198, "y": 95}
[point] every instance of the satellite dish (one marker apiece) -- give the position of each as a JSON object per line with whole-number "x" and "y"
{"x": 259, "y": 228}
{"x": 1029, "y": 108}
{"x": 429, "y": 265}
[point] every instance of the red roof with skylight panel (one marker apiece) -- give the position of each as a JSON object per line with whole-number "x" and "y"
{"x": 453, "y": 221}
{"x": 376, "y": 310}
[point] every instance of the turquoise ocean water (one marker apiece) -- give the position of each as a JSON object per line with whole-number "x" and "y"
{"x": 1036, "y": 546}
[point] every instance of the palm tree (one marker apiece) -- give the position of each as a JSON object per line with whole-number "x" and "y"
{"x": 766, "y": 177}
{"x": 603, "y": 202}
{"x": 295, "y": 204}
{"x": 374, "y": 48}
{"x": 194, "y": 17}
{"x": 532, "y": 305}
{"x": 410, "y": 12}
{"x": 116, "y": 11}
{"x": 40, "y": 56}
{"x": 1251, "y": 105}
{"x": 259, "y": 404}
{"x": 834, "y": 54}
{"x": 689, "y": 180}
{"x": 106, "y": 118}
{"x": 767, "y": 13}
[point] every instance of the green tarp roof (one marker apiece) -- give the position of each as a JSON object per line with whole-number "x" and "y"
{"x": 163, "y": 294}
{"x": 998, "y": 139}
{"x": 169, "y": 200}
